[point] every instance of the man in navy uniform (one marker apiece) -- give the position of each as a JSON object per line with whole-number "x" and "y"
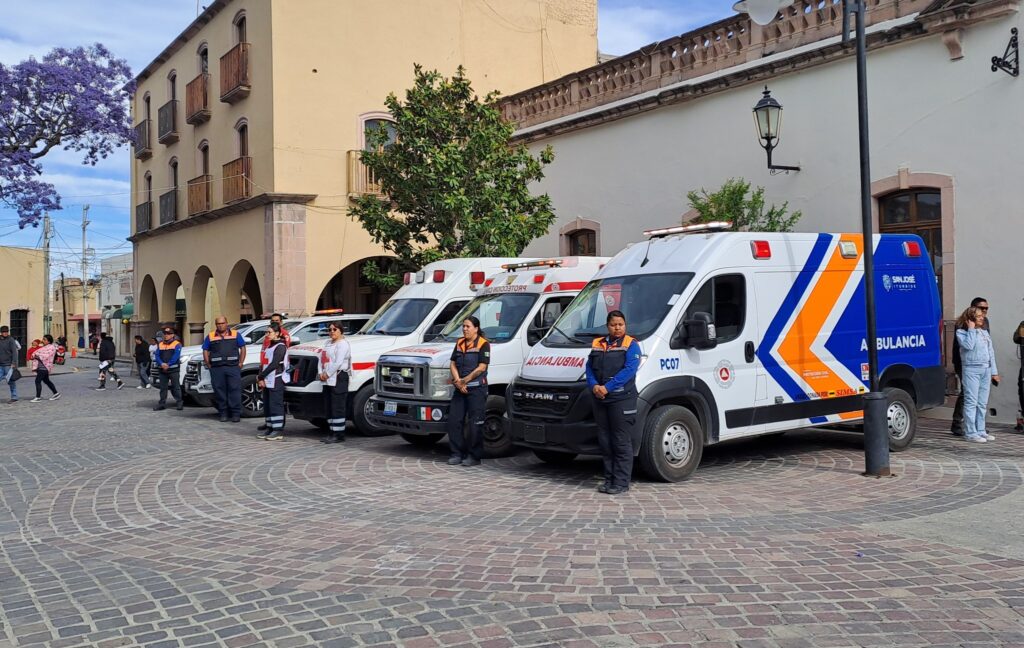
{"x": 223, "y": 355}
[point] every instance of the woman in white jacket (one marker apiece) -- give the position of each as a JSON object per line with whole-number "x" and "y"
{"x": 334, "y": 368}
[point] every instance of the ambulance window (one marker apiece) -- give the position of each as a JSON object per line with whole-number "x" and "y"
{"x": 447, "y": 313}
{"x": 725, "y": 299}
{"x": 545, "y": 317}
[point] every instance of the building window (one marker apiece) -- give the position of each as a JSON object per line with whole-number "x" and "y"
{"x": 371, "y": 125}
{"x": 583, "y": 243}
{"x": 172, "y": 82}
{"x": 918, "y": 211}
{"x": 240, "y": 28}
{"x": 174, "y": 173}
{"x": 204, "y": 157}
{"x": 204, "y": 59}
{"x": 146, "y": 104}
{"x": 149, "y": 186}
{"x": 243, "y": 139}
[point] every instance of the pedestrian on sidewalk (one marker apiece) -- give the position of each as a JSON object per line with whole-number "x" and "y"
{"x": 334, "y": 370}
{"x": 272, "y": 380}
{"x": 143, "y": 360}
{"x": 42, "y": 363}
{"x": 9, "y": 348}
{"x": 978, "y": 362}
{"x": 957, "y": 426}
{"x": 107, "y": 357}
{"x": 224, "y": 355}
{"x": 168, "y": 357}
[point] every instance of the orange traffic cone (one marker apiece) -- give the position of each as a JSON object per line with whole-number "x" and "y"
{"x": 74, "y": 352}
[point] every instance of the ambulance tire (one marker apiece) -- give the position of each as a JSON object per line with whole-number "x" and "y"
{"x": 672, "y": 444}
{"x": 421, "y": 440}
{"x": 555, "y": 458}
{"x": 901, "y": 414}
{"x": 359, "y": 404}
{"x": 497, "y": 442}
{"x": 252, "y": 397}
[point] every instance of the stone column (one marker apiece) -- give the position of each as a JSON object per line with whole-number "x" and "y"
{"x": 285, "y": 258}
{"x": 145, "y": 328}
{"x": 196, "y": 331}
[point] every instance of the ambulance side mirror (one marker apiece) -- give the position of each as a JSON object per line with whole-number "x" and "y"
{"x": 247, "y": 339}
{"x": 697, "y": 333}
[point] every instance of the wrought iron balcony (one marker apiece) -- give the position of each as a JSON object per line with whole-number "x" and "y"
{"x": 169, "y": 207}
{"x": 143, "y": 146}
{"x": 143, "y": 217}
{"x": 167, "y": 122}
{"x": 234, "y": 74}
{"x": 360, "y": 179}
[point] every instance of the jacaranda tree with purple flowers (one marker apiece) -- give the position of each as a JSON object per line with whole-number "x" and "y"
{"x": 73, "y": 99}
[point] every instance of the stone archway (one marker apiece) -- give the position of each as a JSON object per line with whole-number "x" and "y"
{"x": 203, "y": 303}
{"x": 242, "y": 300}
{"x": 350, "y": 290}
{"x": 170, "y": 294}
{"x": 147, "y": 314}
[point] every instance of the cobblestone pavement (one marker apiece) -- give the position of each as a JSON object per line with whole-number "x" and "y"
{"x": 120, "y": 526}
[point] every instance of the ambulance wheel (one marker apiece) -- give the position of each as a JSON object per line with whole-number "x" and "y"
{"x": 901, "y": 415}
{"x": 360, "y": 405}
{"x": 421, "y": 440}
{"x": 252, "y": 397}
{"x": 497, "y": 442}
{"x": 672, "y": 444}
{"x": 555, "y": 458}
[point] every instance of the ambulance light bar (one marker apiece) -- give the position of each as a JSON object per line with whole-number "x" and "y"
{"x": 716, "y": 226}
{"x": 330, "y": 311}
{"x": 545, "y": 263}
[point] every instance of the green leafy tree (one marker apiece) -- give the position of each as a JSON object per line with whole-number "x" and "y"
{"x": 747, "y": 211}
{"x": 452, "y": 185}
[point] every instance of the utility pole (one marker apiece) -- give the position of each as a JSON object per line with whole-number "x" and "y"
{"x": 85, "y": 279}
{"x": 47, "y": 233}
{"x": 64, "y": 305}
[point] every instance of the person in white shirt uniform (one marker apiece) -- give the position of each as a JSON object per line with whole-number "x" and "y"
{"x": 333, "y": 370}
{"x": 272, "y": 380}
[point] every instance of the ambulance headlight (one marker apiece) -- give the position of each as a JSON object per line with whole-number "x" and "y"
{"x": 439, "y": 385}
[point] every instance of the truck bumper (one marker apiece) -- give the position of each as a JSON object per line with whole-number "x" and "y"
{"x": 576, "y": 438}
{"x": 305, "y": 405}
{"x": 410, "y": 417}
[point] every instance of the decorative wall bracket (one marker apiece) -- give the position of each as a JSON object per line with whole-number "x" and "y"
{"x": 1010, "y": 61}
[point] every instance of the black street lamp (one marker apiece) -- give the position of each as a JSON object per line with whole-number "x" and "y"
{"x": 768, "y": 120}
{"x": 876, "y": 425}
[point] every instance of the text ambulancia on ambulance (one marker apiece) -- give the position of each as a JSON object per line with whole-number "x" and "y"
{"x": 516, "y": 307}
{"x": 416, "y": 313}
{"x": 742, "y": 334}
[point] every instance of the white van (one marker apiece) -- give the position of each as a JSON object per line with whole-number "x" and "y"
{"x": 742, "y": 334}
{"x": 413, "y": 384}
{"x": 197, "y": 384}
{"x": 416, "y": 313}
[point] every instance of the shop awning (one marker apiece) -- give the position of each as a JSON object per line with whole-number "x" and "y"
{"x": 128, "y": 310}
{"x": 93, "y": 317}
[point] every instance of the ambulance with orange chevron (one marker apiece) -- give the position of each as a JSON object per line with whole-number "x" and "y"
{"x": 742, "y": 334}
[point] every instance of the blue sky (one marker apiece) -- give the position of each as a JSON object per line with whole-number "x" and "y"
{"x": 137, "y": 31}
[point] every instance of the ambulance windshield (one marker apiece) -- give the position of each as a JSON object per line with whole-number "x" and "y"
{"x": 645, "y": 300}
{"x": 500, "y": 316}
{"x": 399, "y": 317}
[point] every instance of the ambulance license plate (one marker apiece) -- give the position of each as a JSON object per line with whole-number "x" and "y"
{"x": 390, "y": 408}
{"x": 534, "y": 434}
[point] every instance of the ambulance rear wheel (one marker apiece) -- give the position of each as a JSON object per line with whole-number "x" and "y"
{"x": 901, "y": 415}
{"x": 497, "y": 442}
{"x": 360, "y": 404}
{"x": 672, "y": 444}
{"x": 421, "y": 440}
{"x": 555, "y": 458}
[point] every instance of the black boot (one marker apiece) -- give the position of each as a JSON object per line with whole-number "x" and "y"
{"x": 333, "y": 438}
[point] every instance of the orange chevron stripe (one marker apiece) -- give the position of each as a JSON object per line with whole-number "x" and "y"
{"x": 795, "y": 349}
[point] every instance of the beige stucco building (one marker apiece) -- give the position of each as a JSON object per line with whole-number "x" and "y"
{"x": 69, "y": 295}
{"x": 248, "y": 126}
{"x": 22, "y": 293}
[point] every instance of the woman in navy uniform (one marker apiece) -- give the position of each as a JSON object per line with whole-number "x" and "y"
{"x": 272, "y": 380}
{"x": 469, "y": 363}
{"x": 611, "y": 373}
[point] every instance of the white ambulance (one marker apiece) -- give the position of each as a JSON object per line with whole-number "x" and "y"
{"x": 742, "y": 334}
{"x": 416, "y": 313}
{"x": 516, "y": 308}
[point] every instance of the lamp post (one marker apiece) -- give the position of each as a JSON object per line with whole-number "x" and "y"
{"x": 876, "y": 425}
{"x": 768, "y": 120}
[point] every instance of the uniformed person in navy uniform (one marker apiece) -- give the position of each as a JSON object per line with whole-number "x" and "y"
{"x": 469, "y": 363}
{"x": 223, "y": 355}
{"x": 611, "y": 373}
{"x": 272, "y": 380}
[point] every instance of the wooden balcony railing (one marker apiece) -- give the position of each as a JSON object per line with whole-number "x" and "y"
{"x": 234, "y": 74}
{"x": 169, "y": 207}
{"x": 143, "y": 216}
{"x": 143, "y": 146}
{"x": 237, "y": 179}
{"x": 199, "y": 194}
{"x": 721, "y": 45}
{"x": 167, "y": 122}
{"x": 360, "y": 180}
{"x": 197, "y": 100}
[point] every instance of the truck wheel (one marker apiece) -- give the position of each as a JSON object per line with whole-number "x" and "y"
{"x": 360, "y": 402}
{"x": 555, "y": 458}
{"x": 672, "y": 444}
{"x": 252, "y": 398}
{"x": 497, "y": 442}
{"x": 901, "y": 415}
{"x": 421, "y": 440}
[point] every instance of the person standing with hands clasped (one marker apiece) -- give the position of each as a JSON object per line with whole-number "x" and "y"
{"x": 223, "y": 355}
{"x": 468, "y": 365}
{"x": 272, "y": 380}
{"x": 286, "y": 338}
{"x": 978, "y": 359}
{"x": 168, "y": 360}
{"x": 611, "y": 373}
{"x": 333, "y": 371}
{"x": 143, "y": 354}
